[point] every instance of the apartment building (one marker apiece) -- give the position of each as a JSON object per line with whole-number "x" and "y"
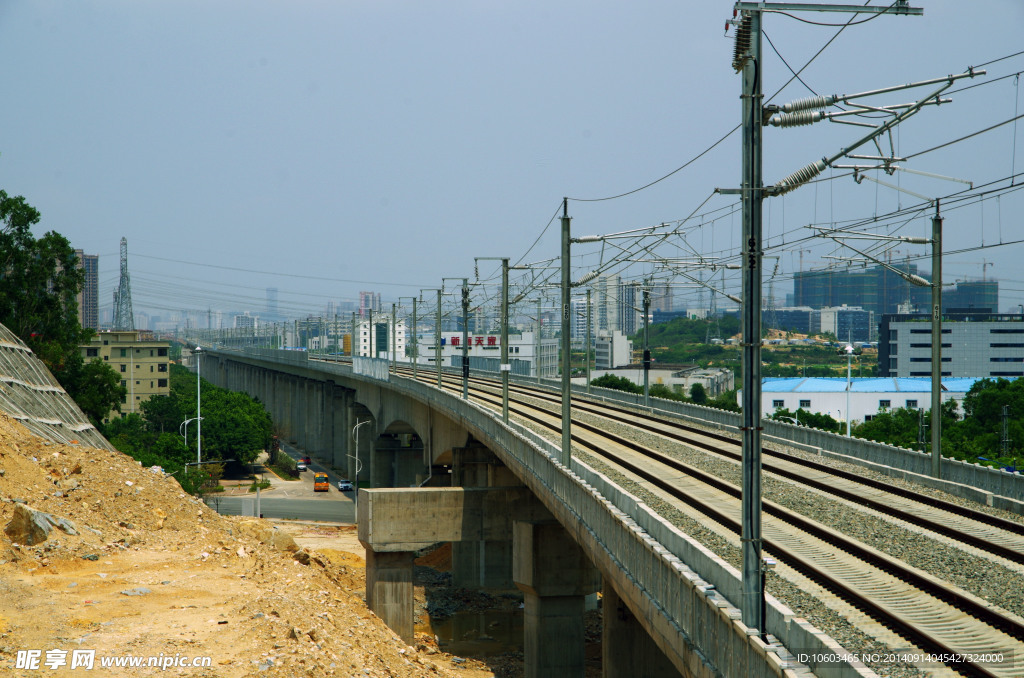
{"x": 142, "y": 362}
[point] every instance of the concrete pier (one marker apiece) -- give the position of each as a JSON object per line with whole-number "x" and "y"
{"x": 482, "y": 564}
{"x": 405, "y": 520}
{"x": 389, "y": 589}
{"x": 555, "y": 577}
{"x": 627, "y": 650}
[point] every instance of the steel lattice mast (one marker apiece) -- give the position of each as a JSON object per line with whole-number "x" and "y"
{"x": 124, "y": 318}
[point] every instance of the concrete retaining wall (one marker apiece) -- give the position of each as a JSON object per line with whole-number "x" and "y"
{"x": 33, "y": 397}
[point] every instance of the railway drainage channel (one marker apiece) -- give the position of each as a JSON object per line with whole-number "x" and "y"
{"x": 486, "y": 626}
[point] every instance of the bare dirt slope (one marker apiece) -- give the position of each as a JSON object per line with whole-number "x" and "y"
{"x": 152, "y": 572}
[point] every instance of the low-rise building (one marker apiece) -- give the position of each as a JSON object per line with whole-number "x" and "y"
{"x": 142, "y": 362}
{"x": 484, "y": 352}
{"x": 867, "y": 397}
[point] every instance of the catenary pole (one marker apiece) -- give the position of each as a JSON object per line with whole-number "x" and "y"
{"x": 465, "y": 338}
{"x": 506, "y": 367}
{"x": 647, "y": 345}
{"x": 588, "y": 340}
{"x": 752, "y": 198}
{"x": 747, "y": 60}
{"x": 936, "y": 403}
{"x": 566, "y": 345}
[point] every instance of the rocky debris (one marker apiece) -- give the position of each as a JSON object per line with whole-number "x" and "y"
{"x": 31, "y": 527}
{"x": 154, "y": 571}
{"x": 269, "y": 534}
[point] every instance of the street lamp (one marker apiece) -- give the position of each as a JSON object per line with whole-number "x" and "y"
{"x": 184, "y": 425}
{"x": 199, "y": 404}
{"x": 359, "y": 466}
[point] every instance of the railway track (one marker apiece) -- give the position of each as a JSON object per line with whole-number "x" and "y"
{"x": 940, "y": 621}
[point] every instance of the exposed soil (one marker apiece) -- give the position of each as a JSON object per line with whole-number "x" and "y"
{"x": 152, "y": 572}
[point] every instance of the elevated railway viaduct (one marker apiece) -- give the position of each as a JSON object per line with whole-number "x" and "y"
{"x": 434, "y": 467}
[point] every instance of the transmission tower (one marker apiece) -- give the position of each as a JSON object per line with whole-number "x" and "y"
{"x": 773, "y": 318}
{"x": 124, "y": 319}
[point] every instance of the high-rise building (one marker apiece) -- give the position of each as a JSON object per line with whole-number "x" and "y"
{"x": 630, "y": 299}
{"x": 661, "y": 298}
{"x": 881, "y": 291}
{"x": 89, "y": 296}
{"x": 369, "y": 301}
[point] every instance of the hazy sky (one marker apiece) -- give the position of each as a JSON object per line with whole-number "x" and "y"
{"x": 324, "y": 148}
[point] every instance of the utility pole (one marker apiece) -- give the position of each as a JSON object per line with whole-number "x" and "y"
{"x": 352, "y": 343}
{"x": 566, "y": 343}
{"x": 753, "y": 607}
{"x": 588, "y": 340}
{"x": 539, "y": 326}
{"x": 937, "y": 343}
{"x": 505, "y": 366}
{"x": 747, "y": 60}
{"x": 437, "y": 335}
{"x": 394, "y": 337}
{"x": 465, "y": 338}
{"x": 415, "y": 341}
{"x": 647, "y": 345}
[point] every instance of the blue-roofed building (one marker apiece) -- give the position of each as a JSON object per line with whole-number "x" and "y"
{"x": 868, "y": 395}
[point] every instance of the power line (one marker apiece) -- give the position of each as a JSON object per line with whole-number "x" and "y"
{"x": 964, "y": 138}
{"x": 851, "y": 22}
{"x": 275, "y": 273}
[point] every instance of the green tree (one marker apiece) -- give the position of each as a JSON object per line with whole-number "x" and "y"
{"x": 39, "y": 281}
{"x": 38, "y": 284}
{"x": 662, "y": 391}
{"x": 825, "y": 422}
{"x": 617, "y": 383}
{"x": 698, "y": 394}
{"x": 94, "y": 386}
{"x": 725, "y": 401}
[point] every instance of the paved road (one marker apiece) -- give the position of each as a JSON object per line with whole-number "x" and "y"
{"x": 310, "y": 508}
{"x": 292, "y": 499}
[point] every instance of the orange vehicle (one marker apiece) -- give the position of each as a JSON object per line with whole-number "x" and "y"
{"x": 320, "y": 482}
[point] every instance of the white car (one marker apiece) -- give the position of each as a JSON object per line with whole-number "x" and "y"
{"x": 300, "y": 467}
{"x": 344, "y": 486}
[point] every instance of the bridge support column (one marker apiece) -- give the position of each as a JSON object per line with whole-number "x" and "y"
{"x": 481, "y": 564}
{"x": 389, "y": 589}
{"x": 394, "y": 523}
{"x": 294, "y": 409}
{"x": 314, "y": 417}
{"x": 555, "y": 576}
{"x": 341, "y": 432}
{"x": 367, "y": 435}
{"x": 326, "y": 422}
{"x": 626, "y": 648}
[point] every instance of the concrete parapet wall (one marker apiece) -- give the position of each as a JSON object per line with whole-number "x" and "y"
{"x": 990, "y": 480}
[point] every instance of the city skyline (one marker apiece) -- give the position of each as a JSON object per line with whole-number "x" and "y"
{"x": 325, "y": 150}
